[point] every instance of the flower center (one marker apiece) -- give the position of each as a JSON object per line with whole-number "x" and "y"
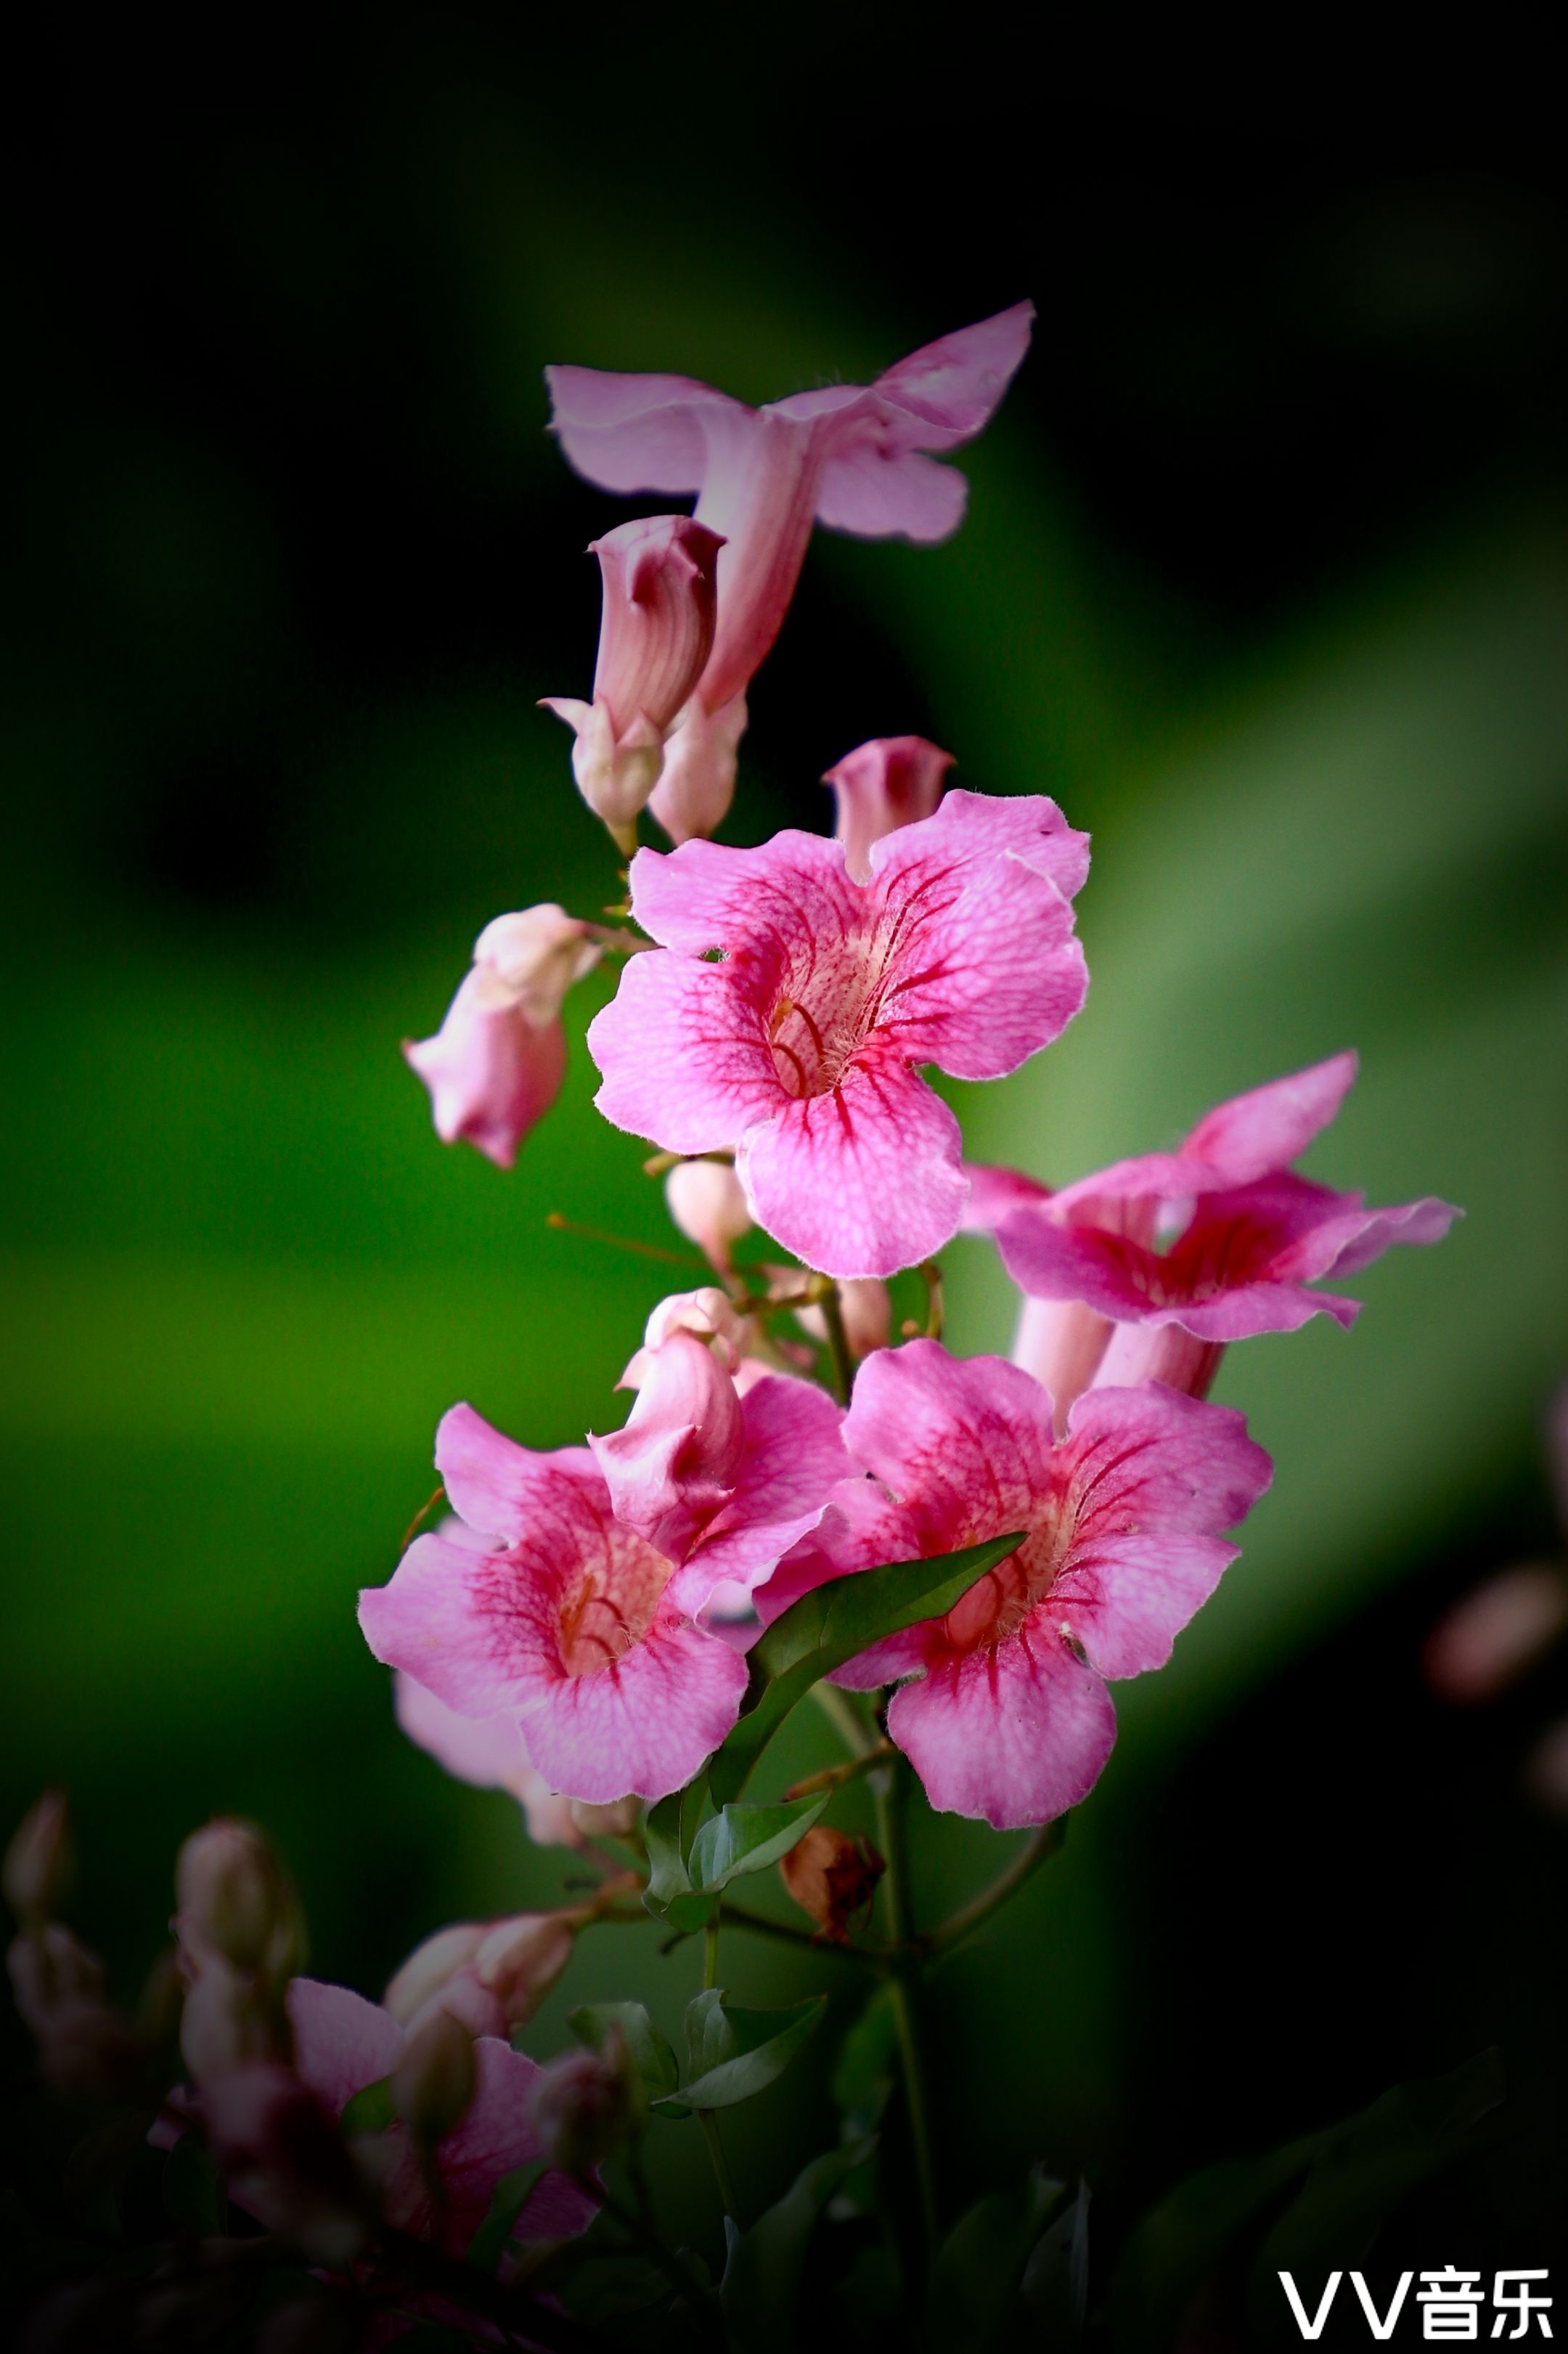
{"x": 997, "y": 1605}
{"x": 609, "y": 1606}
{"x": 829, "y": 1003}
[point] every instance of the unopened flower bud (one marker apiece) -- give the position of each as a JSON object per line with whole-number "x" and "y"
{"x": 655, "y": 633}
{"x": 583, "y": 2106}
{"x": 430, "y": 1968}
{"x": 708, "y": 1314}
{"x": 228, "y": 2021}
{"x": 433, "y": 2081}
{"x": 696, "y": 783}
{"x": 707, "y": 1202}
{"x": 529, "y": 960}
{"x": 492, "y": 1073}
{"x": 36, "y": 1872}
{"x": 890, "y": 782}
{"x": 234, "y": 1901}
{"x": 520, "y": 1960}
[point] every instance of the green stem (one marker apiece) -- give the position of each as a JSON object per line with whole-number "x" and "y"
{"x": 710, "y": 1950}
{"x": 846, "y": 1720}
{"x": 710, "y": 2126}
{"x": 890, "y": 1835}
{"x": 837, "y": 1344}
{"x": 1025, "y": 1864}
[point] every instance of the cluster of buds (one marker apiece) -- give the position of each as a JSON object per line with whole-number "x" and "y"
{"x": 491, "y": 1976}
{"x": 88, "y": 2049}
{"x": 240, "y": 1940}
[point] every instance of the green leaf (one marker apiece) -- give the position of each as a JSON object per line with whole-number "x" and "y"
{"x": 511, "y": 2195}
{"x": 593, "y": 2023}
{"x": 370, "y": 2111}
{"x": 980, "y": 2264}
{"x": 742, "y": 1839}
{"x": 762, "y": 2277}
{"x": 867, "y": 2064}
{"x": 192, "y": 2191}
{"x": 1362, "y": 2166}
{"x": 667, "y": 1877}
{"x": 1054, "y": 2290}
{"x": 736, "y": 2053}
{"x": 829, "y": 1625}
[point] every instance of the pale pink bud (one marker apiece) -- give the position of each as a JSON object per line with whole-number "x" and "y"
{"x": 433, "y": 2081}
{"x": 36, "y": 1872}
{"x": 890, "y": 782}
{"x": 1495, "y": 1633}
{"x": 655, "y": 633}
{"x": 696, "y": 783}
{"x": 867, "y": 1311}
{"x": 520, "y": 1960}
{"x": 676, "y": 1461}
{"x": 227, "y": 2024}
{"x": 526, "y": 961}
{"x": 582, "y": 2106}
{"x": 707, "y": 1202}
{"x": 708, "y": 1314}
{"x": 492, "y": 1075}
{"x": 431, "y": 1967}
{"x": 234, "y": 1901}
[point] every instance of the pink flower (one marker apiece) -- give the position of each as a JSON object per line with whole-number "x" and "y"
{"x": 491, "y": 1976}
{"x": 569, "y": 1631}
{"x": 1007, "y": 1716}
{"x": 342, "y": 2043}
{"x": 894, "y": 781}
{"x": 849, "y": 456}
{"x": 722, "y": 1483}
{"x": 1187, "y": 1251}
{"x": 496, "y": 1065}
{"x": 655, "y": 634}
{"x": 487, "y": 1752}
{"x": 791, "y": 1004}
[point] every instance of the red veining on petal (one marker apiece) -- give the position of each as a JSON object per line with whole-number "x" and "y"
{"x": 609, "y": 1605}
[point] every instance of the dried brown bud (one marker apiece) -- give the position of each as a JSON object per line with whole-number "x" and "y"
{"x": 833, "y": 1878}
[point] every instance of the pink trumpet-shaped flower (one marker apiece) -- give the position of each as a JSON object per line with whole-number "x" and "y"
{"x": 851, "y": 457}
{"x": 790, "y": 1005}
{"x": 722, "y": 1483}
{"x": 342, "y": 2043}
{"x": 496, "y": 1065}
{"x": 568, "y": 1630}
{"x": 1007, "y": 1716}
{"x": 655, "y": 634}
{"x": 892, "y": 782}
{"x": 1148, "y": 1268}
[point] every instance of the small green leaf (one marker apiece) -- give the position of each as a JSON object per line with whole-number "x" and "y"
{"x": 371, "y": 2110}
{"x": 510, "y": 2197}
{"x": 743, "y": 1838}
{"x": 829, "y": 1625}
{"x": 736, "y": 2053}
{"x": 594, "y": 2022}
{"x": 980, "y": 2263}
{"x": 762, "y": 2277}
{"x": 667, "y": 1876}
{"x": 192, "y": 2191}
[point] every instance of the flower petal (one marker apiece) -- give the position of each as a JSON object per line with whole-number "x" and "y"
{"x": 1012, "y": 1735}
{"x": 794, "y": 1457}
{"x": 629, "y": 432}
{"x": 642, "y": 1727}
{"x": 682, "y": 1053}
{"x": 341, "y": 2041}
{"x": 860, "y": 1182}
{"x": 497, "y": 1486}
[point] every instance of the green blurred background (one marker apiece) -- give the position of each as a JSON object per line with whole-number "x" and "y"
{"x": 1265, "y": 578}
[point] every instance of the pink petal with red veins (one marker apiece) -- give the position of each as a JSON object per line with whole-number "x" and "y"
{"x": 500, "y": 1488}
{"x": 684, "y": 1053}
{"x": 765, "y": 906}
{"x": 675, "y": 1464}
{"x": 968, "y": 826}
{"x": 494, "y": 2137}
{"x": 642, "y": 1727}
{"x": 1269, "y": 1127}
{"x": 1126, "y": 1603}
{"x": 1145, "y": 1461}
{"x": 984, "y": 969}
{"x": 1014, "y": 1735}
{"x": 793, "y": 1458}
{"x": 860, "y": 1182}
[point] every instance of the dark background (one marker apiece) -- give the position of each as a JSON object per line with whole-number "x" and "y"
{"x": 1265, "y": 578}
